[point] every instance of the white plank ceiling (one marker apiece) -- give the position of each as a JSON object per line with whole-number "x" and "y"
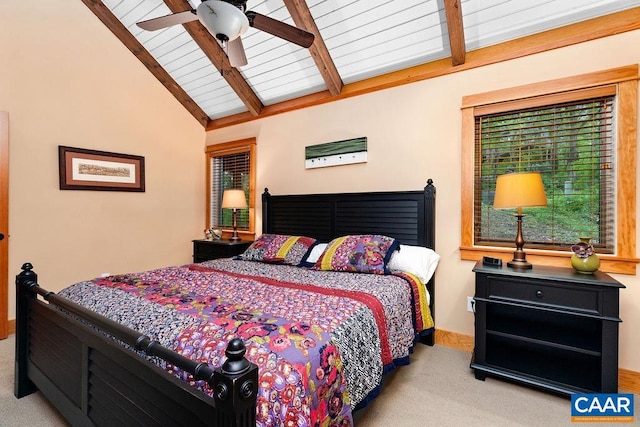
{"x": 364, "y": 38}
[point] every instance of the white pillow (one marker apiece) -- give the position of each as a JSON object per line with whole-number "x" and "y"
{"x": 316, "y": 252}
{"x": 418, "y": 260}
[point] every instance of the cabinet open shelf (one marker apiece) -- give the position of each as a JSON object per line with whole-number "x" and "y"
{"x": 545, "y": 363}
{"x": 547, "y": 327}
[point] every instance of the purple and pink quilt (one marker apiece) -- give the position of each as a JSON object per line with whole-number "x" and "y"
{"x": 321, "y": 339}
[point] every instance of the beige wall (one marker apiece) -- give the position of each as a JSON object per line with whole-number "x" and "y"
{"x": 66, "y": 80}
{"x": 413, "y": 134}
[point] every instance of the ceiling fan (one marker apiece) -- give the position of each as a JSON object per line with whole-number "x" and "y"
{"x": 227, "y": 20}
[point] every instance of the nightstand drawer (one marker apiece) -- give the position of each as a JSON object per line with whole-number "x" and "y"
{"x": 209, "y": 251}
{"x": 205, "y": 250}
{"x": 535, "y": 292}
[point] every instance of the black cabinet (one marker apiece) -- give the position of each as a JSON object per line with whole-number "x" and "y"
{"x": 205, "y": 250}
{"x": 548, "y": 327}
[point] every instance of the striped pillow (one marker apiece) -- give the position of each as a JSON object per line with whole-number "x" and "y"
{"x": 278, "y": 248}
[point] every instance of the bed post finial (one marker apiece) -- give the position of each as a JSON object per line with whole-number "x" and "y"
{"x": 26, "y": 275}
{"x": 236, "y": 363}
{"x": 236, "y": 387}
{"x": 430, "y": 189}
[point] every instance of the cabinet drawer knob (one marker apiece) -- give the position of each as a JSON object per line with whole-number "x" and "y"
{"x": 539, "y": 293}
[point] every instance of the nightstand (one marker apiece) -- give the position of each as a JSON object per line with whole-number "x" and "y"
{"x": 547, "y": 327}
{"x": 205, "y": 250}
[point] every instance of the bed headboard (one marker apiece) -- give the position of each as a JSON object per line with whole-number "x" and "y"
{"x": 409, "y": 216}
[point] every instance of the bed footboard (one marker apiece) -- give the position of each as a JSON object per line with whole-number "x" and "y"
{"x": 62, "y": 349}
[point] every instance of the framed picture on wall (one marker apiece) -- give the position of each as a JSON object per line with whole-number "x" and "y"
{"x": 82, "y": 169}
{"x": 336, "y": 153}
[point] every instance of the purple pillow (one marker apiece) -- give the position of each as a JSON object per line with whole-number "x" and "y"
{"x": 366, "y": 253}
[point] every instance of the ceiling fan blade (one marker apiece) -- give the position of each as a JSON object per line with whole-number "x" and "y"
{"x": 280, "y": 29}
{"x": 235, "y": 51}
{"x": 168, "y": 20}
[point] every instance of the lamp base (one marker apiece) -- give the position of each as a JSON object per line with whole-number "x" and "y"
{"x": 234, "y": 236}
{"x": 519, "y": 264}
{"x": 519, "y": 256}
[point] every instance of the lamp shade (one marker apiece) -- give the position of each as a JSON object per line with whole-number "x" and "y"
{"x": 224, "y": 20}
{"x": 234, "y": 199}
{"x": 518, "y": 190}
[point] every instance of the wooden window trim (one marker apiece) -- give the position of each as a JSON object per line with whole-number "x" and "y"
{"x": 625, "y": 80}
{"x": 226, "y": 148}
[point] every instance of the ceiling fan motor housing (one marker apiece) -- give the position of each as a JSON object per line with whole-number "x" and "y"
{"x": 225, "y": 20}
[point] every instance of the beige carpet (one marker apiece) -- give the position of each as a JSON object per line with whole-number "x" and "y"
{"x": 33, "y": 410}
{"x": 436, "y": 389}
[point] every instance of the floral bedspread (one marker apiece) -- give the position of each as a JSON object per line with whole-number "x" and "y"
{"x": 321, "y": 339}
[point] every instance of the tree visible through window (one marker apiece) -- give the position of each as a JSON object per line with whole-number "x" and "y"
{"x": 572, "y": 145}
{"x": 580, "y": 133}
{"x": 231, "y": 166}
{"x": 229, "y": 172}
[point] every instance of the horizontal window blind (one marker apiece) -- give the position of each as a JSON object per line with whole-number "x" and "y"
{"x": 572, "y": 145}
{"x": 231, "y": 171}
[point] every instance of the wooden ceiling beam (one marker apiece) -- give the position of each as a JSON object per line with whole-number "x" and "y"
{"x": 120, "y": 31}
{"x": 302, "y": 18}
{"x": 218, "y": 58}
{"x": 592, "y": 29}
{"x": 453, "y": 10}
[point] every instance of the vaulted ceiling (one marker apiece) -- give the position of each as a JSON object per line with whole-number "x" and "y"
{"x": 360, "y": 46}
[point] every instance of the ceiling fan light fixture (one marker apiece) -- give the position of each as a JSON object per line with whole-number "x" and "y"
{"x": 224, "y": 20}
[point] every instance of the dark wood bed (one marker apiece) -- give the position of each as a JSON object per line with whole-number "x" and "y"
{"x": 63, "y": 351}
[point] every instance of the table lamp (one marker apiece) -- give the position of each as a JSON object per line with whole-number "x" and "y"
{"x": 519, "y": 190}
{"x": 234, "y": 199}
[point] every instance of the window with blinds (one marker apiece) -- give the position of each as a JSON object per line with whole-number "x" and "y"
{"x": 229, "y": 171}
{"x": 572, "y": 144}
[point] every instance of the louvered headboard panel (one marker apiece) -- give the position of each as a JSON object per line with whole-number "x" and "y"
{"x": 409, "y": 216}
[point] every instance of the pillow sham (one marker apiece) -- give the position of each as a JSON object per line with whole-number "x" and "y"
{"x": 366, "y": 253}
{"x": 417, "y": 260}
{"x": 278, "y": 248}
{"x": 313, "y": 255}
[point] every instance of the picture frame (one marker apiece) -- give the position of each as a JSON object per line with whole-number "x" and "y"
{"x": 83, "y": 169}
{"x": 345, "y": 152}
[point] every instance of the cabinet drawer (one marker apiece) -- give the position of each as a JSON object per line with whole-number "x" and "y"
{"x": 204, "y": 250}
{"x": 208, "y": 251}
{"x": 541, "y": 293}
